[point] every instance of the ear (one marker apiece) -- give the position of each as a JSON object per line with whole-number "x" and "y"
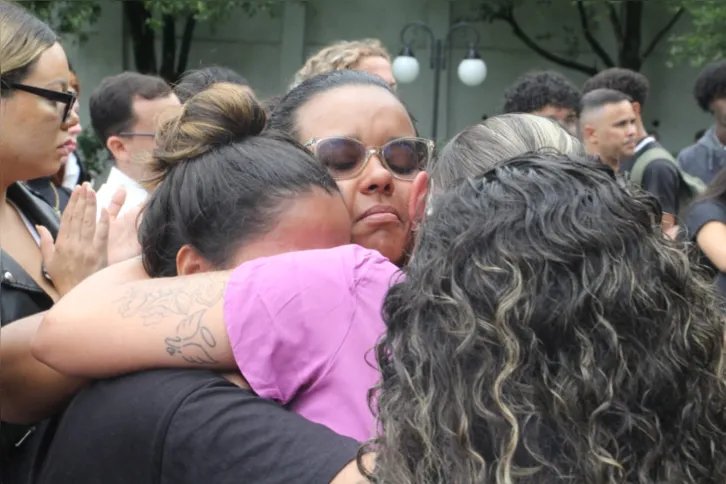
{"x": 117, "y": 147}
{"x": 588, "y": 132}
{"x": 636, "y": 108}
{"x": 417, "y": 198}
{"x": 188, "y": 261}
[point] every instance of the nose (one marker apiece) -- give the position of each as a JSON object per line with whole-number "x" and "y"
{"x": 71, "y": 120}
{"x": 376, "y": 177}
{"x": 631, "y": 130}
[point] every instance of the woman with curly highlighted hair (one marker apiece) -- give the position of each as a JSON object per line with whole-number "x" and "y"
{"x": 547, "y": 332}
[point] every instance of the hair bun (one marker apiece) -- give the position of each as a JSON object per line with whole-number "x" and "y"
{"x": 222, "y": 114}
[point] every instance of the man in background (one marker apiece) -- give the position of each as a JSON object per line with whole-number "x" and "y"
{"x": 660, "y": 175}
{"x": 124, "y": 111}
{"x": 545, "y": 93}
{"x": 708, "y": 156}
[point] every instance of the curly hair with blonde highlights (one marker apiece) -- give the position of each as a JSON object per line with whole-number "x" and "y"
{"x": 548, "y": 332}
{"x": 338, "y": 56}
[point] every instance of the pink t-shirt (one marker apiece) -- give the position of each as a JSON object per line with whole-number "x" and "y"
{"x": 302, "y": 326}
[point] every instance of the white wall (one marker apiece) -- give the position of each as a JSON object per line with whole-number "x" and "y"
{"x": 268, "y": 51}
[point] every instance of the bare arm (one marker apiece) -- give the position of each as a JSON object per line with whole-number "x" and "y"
{"x": 350, "y": 474}
{"x": 711, "y": 239}
{"x": 103, "y": 328}
{"x": 31, "y": 391}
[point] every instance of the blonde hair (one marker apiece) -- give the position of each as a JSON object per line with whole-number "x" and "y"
{"x": 23, "y": 38}
{"x": 338, "y": 56}
{"x": 478, "y": 148}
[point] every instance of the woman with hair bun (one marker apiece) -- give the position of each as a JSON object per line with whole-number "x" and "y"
{"x": 226, "y": 192}
{"x": 205, "y": 215}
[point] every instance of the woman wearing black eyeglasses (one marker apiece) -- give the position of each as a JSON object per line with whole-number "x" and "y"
{"x": 35, "y": 117}
{"x": 56, "y": 189}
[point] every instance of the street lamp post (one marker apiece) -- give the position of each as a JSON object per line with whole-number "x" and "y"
{"x": 472, "y": 69}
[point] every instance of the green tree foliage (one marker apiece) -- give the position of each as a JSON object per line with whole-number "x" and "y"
{"x": 624, "y": 20}
{"x": 706, "y": 41}
{"x": 172, "y": 22}
{"x": 68, "y": 17}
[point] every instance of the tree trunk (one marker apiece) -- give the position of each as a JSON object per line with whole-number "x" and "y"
{"x": 142, "y": 36}
{"x": 168, "y": 50}
{"x": 186, "y": 45}
{"x": 629, "y": 56}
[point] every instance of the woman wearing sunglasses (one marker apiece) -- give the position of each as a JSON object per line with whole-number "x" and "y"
{"x": 359, "y": 129}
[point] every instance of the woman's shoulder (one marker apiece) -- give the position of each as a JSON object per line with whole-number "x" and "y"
{"x": 324, "y": 275}
{"x": 346, "y": 258}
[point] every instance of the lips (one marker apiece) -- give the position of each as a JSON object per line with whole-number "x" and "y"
{"x": 380, "y": 213}
{"x": 70, "y": 145}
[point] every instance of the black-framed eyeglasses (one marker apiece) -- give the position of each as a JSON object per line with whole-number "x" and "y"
{"x": 131, "y": 134}
{"x": 67, "y": 98}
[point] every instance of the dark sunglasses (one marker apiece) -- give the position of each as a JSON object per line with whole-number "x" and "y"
{"x": 346, "y": 158}
{"x": 65, "y": 98}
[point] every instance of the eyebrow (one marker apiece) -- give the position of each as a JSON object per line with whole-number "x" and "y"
{"x": 63, "y": 83}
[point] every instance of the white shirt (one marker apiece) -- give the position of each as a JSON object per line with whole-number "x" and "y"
{"x": 135, "y": 194}
{"x": 643, "y": 142}
{"x": 72, "y": 172}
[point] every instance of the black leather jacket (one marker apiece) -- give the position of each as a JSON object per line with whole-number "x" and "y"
{"x": 21, "y": 296}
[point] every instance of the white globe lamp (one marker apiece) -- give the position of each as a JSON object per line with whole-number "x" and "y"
{"x": 472, "y": 70}
{"x": 405, "y": 66}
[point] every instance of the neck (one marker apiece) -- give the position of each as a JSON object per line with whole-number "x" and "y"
{"x": 720, "y": 132}
{"x": 640, "y": 130}
{"x": 613, "y": 164}
{"x": 129, "y": 171}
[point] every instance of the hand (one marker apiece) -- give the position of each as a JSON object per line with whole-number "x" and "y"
{"x": 123, "y": 241}
{"x": 80, "y": 249}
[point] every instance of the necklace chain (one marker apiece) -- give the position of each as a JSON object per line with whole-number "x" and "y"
{"x": 56, "y": 208}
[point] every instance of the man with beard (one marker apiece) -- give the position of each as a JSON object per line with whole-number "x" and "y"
{"x": 124, "y": 110}
{"x": 708, "y": 156}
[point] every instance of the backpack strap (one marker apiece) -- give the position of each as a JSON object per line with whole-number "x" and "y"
{"x": 641, "y": 163}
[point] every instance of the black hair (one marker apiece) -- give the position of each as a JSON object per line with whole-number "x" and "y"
{"x": 29, "y": 29}
{"x": 270, "y": 104}
{"x": 601, "y": 97}
{"x": 111, "y": 104}
{"x": 699, "y": 134}
{"x": 629, "y": 82}
{"x": 283, "y": 117}
{"x": 221, "y": 180}
{"x": 536, "y": 90}
{"x": 710, "y": 84}
{"x": 196, "y": 81}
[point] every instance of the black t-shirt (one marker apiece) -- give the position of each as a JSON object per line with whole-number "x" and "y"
{"x": 698, "y": 215}
{"x": 186, "y": 427}
{"x": 660, "y": 178}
